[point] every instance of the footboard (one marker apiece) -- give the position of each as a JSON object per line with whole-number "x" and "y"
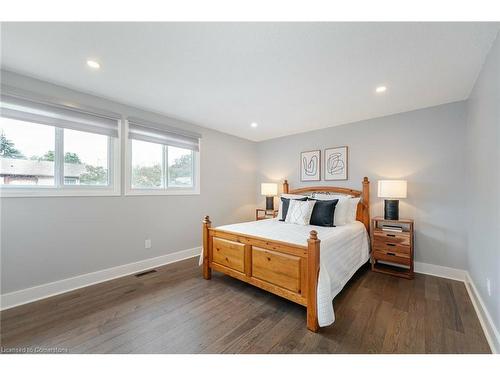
{"x": 287, "y": 270}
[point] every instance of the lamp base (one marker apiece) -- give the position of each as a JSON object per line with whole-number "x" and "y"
{"x": 269, "y": 203}
{"x": 391, "y": 209}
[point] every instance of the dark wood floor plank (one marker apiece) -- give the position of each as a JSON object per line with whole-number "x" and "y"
{"x": 394, "y": 340}
{"x": 365, "y": 312}
{"x": 416, "y": 314}
{"x": 449, "y": 306}
{"x": 431, "y": 288}
{"x": 373, "y": 339}
{"x": 272, "y": 336}
{"x": 402, "y": 295}
{"x": 434, "y": 328}
{"x": 251, "y": 320}
{"x": 475, "y": 338}
{"x": 248, "y": 339}
{"x": 174, "y": 310}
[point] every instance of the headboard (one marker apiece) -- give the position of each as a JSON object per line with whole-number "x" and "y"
{"x": 363, "y": 212}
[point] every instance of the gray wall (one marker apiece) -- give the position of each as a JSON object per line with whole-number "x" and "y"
{"x": 425, "y": 147}
{"x": 49, "y": 239}
{"x": 483, "y": 182}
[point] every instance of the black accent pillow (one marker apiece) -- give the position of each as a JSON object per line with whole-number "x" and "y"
{"x": 285, "y": 203}
{"x": 323, "y": 212}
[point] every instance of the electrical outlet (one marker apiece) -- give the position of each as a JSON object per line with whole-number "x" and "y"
{"x": 488, "y": 286}
{"x": 147, "y": 244}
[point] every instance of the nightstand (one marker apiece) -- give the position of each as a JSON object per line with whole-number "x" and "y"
{"x": 265, "y": 214}
{"x": 392, "y": 250}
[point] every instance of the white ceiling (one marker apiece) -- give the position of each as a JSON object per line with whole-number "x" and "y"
{"x": 287, "y": 77}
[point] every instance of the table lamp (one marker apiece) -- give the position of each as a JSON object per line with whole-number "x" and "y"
{"x": 270, "y": 190}
{"x": 391, "y": 189}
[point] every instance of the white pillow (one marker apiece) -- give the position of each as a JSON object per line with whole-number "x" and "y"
{"x": 352, "y": 208}
{"x": 288, "y": 196}
{"x": 299, "y": 212}
{"x": 341, "y": 208}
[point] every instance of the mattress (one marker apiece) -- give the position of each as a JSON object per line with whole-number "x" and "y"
{"x": 344, "y": 249}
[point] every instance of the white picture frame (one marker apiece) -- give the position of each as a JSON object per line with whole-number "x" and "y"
{"x": 336, "y": 163}
{"x": 310, "y": 165}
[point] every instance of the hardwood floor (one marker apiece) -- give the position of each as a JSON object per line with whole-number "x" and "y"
{"x": 175, "y": 310}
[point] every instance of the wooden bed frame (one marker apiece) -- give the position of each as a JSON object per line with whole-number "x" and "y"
{"x": 285, "y": 269}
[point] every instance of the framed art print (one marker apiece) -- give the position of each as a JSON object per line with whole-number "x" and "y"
{"x": 336, "y": 163}
{"x": 310, "y": 165}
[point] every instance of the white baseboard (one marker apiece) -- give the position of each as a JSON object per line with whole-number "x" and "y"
{"x": 440, "y": 271}
{"x": 489, "y": 328}
{"x": 21, "y": 297}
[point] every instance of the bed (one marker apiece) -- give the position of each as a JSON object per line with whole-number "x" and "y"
{"x": 306, "y": 264}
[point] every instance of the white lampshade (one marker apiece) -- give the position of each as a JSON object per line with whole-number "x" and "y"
{"x": 269, "y": 189}
{"x": 392, "y": 189}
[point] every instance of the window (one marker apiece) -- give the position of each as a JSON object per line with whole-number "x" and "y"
{"x": 180, "y": 167}
{"x": 147, "y": 165}
{"x": 47, "y": 150}
{"x": 85, "y": 158}
{"x": 27, "y": 153}
{"x": 161, "y": 161}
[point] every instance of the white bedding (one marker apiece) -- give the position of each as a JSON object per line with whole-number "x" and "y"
{"x": 343, "y": 250}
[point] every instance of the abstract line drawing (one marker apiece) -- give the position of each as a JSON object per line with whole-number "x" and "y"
{"x": 310, "y": 165}
{"x": 336, "y": 163}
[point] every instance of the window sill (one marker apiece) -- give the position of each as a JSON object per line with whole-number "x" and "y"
{"x": 52, "y": 192}
{"x": 135, "y": 192}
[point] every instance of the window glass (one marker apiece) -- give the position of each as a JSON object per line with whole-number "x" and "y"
{"x": 26, "y": 153}
{"x": 180, "y": 167}
{"x": 85, "y": 158}
{"x": 147, "y": 165}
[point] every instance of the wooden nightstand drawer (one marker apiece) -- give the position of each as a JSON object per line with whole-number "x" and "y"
{"x": 391, "y": 247}
{"x": 400, "y": 238}
{"x": 392, "y": 251}
{"x": 391, "y": 257}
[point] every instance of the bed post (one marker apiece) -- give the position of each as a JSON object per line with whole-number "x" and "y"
{"x": 366, "y": 203}
{"x": 312, "y": 281}
{"x": 207, "y": 272}
{"x": 285, "y": 187}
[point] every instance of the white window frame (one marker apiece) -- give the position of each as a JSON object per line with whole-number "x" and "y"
{"x": 60, "y": 189}
{"x": 129, "y": 190}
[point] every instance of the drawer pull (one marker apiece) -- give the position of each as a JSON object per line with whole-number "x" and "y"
{"x": 390, "y": 235}
{"x": 392, "y": 254}
{"x": 390, "y": 244}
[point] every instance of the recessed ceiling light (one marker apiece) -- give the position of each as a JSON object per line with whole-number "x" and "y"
{"x": 254, "y": 124}
{"x": 93, "y": 64}
{"x": 380, "y": 89}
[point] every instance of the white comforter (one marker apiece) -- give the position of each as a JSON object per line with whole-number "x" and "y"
{"x": 343, "y": 250}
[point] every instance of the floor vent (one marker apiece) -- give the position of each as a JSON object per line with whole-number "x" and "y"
{"x": 144, "y": 273}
